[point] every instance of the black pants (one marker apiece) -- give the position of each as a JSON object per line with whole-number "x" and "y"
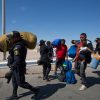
{"x": 80, "y": 70}
{"x": 59, "y": 63}
{"x": 19, "y": 80}
{"x": 46, "y": 69}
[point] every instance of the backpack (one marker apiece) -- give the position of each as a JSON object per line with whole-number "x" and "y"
{"x": 56, "y": 42}
{"x": 69, "y": 74}
{"x": 72, "y": 51}
{"x": 70, "y": 77}
{"x": 67, "y": 65}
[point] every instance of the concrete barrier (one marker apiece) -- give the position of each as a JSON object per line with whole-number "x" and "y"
{"x": 3, "y": 64}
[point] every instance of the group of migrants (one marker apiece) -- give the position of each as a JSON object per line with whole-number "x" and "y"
{"x": 83, "y": 49}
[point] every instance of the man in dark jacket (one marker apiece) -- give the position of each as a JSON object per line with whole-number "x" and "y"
{"x": 49, "y": 46}
{"x": 18, "y": 54}
{"x": 45, "y": 60}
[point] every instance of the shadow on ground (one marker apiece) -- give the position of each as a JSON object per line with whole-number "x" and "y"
{"x": 94, "y": 80}
{"x": 45, "y": 91}
{"x": 51, "y": 77}
{"x": 96, "y": 72}
{"x": 49, "y": 89}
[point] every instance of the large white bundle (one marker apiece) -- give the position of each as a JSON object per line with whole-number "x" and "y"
{"x": 29, "y": 38}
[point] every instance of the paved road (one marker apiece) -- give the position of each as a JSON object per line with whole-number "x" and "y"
{"x": 55, "y": 90}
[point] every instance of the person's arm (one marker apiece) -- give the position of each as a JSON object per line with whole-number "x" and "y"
{"x": 17, "y": 57}
{"x": 66, "y": 57}
{"x": 77, "y": 53}
{"x": 90, "y": 50}
{"x": 90, "y": 46}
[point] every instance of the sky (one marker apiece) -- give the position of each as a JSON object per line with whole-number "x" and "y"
{"x": 52, "y": 19}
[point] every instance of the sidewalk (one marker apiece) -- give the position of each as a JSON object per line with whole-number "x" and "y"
{"x": 54, "y": 90}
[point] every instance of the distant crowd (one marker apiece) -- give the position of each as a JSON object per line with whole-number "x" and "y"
{"x": 81, "y": 52}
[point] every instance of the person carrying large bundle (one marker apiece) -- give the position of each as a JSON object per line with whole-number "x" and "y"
{"x": 29, "y": 38}
{"x": 17, "y": 64}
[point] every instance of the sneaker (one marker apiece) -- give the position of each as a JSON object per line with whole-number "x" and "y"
{"x": 83, "y": 87}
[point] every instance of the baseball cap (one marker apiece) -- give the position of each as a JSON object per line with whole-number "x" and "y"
{"x": 42, "y": 42}
{"x": 13, "y": 34}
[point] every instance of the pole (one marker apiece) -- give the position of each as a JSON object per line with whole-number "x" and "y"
{"x": 3, "y": 25}
{"x": 3, "y": 17}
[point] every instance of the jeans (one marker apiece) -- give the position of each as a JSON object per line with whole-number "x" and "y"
{"x": 80, "y": 68}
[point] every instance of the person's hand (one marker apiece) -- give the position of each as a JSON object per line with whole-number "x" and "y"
{"x": 74, "y": 60}
{"x": 39, "y": 62}
{"x": 66, "y": 58}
